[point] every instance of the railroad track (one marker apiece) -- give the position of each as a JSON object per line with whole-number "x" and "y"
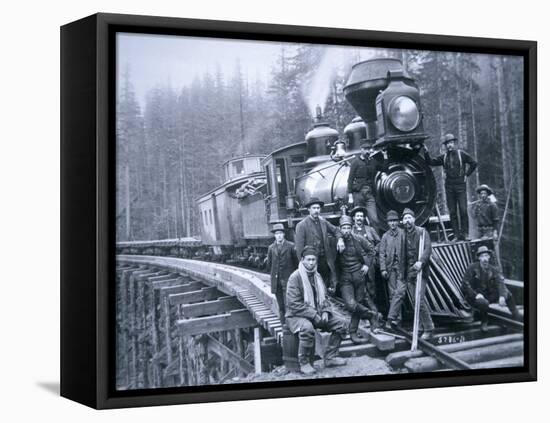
{"x": 184, "y": 322}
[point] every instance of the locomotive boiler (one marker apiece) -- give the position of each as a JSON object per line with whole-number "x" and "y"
{"x": 388, "y": 103}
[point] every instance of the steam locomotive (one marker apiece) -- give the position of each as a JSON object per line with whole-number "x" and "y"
{"x": 259, "y": 191}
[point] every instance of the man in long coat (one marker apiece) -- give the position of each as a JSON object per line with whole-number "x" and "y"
{"x": 317, "y": 232}
{"x": 483, "y": 284}
{"x": 308, "y": 309}
{"x": 282, "y": 261}
{"x": 390, "y": 258}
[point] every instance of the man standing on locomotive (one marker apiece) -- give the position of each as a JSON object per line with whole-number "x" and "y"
{"x": 483, "y": 284}
{"x": 414, "y": 262}
{"x": 282, "y": 261}
{"x": 457, "y": 165}
{"x": 390, "y": 258}
{"x": 317, "y": 232}
{"x": 308, "y": 308}
{"x": 362, "y": 171}
{"x": 353, "y": 264}
{"x": 486, "y": 213}
{"x": 362, "y": 228}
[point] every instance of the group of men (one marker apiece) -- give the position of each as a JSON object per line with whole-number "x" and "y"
{"x": 325, "y": 257}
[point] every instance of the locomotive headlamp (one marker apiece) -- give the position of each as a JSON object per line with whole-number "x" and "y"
{"x": 404, "y": 113}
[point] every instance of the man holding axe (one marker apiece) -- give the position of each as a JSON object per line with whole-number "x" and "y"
{"x": 417, "y": 252}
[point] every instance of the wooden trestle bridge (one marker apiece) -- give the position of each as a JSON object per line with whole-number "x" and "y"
{"x": 183, "y": 322}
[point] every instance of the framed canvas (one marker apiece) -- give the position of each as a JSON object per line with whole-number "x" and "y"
{"x": 258, "y": 211}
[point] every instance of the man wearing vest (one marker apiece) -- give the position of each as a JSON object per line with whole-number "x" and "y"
{"x": 354, "y": 263}
{"x": 413, "y": 262}
{"x": 308, "y": 309}
{"x": 457, "y": 165}
{"x": 282, "y": 261}
{"x": 486, "y": 213}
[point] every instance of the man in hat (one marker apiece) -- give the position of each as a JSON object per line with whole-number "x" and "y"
{"x": 308, "y": 309}
{"x": 354, "y": 263}
{"x": 363, "y": 169}
{"x": 457, "y": 166}
{"x": 390, "y": 258}
{"x": 314, "y": 230}
{"x": 483, "y": 284}
{"x": 415, "y": 261}
{"x": 362, "y": 228}
{"x": 486, "y": 213}
{"x": 282, "y": 261}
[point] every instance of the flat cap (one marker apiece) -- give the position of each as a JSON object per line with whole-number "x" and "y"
{"x": 408, "y": 211}
{"x": 309, "y": 251}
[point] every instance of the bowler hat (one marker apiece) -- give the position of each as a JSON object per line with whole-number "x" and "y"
{"x": 408, "y": 211}
{"x": 309, "y": 251}
{"x": 358, "y": 209}
{"x": 484, "y": 187}
{"x": 392, "y": 215}
{"x": 346, "y": 220}
{"x": 483, "y": 249}
{"x": 314, "y": 200}
{"x": 278, "y": 227}
{"x": 448, "y": 138}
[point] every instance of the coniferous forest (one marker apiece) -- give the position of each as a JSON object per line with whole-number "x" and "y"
{"x": 171, "y": 146}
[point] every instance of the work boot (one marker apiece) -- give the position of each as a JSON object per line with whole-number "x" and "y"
{"x": 357, "y": 338}
{"x": 307, "y": 369}
{"x": 427, "y": 335}
{"x": 484, "y": 326}
{"x": 375, "y": 321}
{"x": 335, "y": 361}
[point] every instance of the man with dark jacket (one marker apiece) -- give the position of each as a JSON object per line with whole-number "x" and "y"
{"x": 282, "y": 261}
{"x": 483, "y": 284}
{"x": 413, "y": 262}
{"x": 361, "y": 227}
{"x": 390, "y": 258}
{"x": 315, "y": 231}
{"x": 457, "y": 165}
{"x": 354, "y": 263}
{"x": 308, "y": 308}
{"x": 486, "y": 213}
{"x": 363, "y": 169}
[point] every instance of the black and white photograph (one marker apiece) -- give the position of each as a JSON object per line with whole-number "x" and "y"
{"x": 291, "y": 211}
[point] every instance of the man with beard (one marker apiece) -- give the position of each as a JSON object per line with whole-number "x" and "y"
{"x": 457, "y": 165}
{"x": 486, "y": 213}
{"x": 317, "y": 232}
{"x": 308, "y": 308}
{"x": 354, "y": 263}
{"x": 282, "y": 261}
{"x": 483, "y": 284}
{"x": 363, "y": 169}
{"x": 390, "y": 257}
{"x": 413, "y": 262}
{"x": 362, "y": 228}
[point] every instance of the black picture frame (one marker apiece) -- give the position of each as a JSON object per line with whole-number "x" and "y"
{"x": 87, "y": 209}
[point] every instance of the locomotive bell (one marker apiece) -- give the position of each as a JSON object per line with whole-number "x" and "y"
{"x": 320, "y": 139}
{"x": 339, "y": 150}
{"x": 356, "y": 133}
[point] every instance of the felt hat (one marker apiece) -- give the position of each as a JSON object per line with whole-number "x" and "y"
{"x": 346, "y": 220}
{"x": 483, "y": 249}
{"x": 392, "y": 215}
{"x": 314, "y": 200}
{"x": 484, "y": 187}
{"x": 357, "y": 209}
{"x": 448, "y": 138}
{"x": 309, "y": 251}
{"x": 278, "y": 227}
{"x": 408, "y": 211}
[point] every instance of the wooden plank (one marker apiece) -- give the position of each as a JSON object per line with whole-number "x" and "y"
{"x": 257, "y": 352}
{"x": 238, "y": 319}
{"x": 227, "y": 354}
{"x": 207, "y": 308}
{"x": 180, "y": 289}
{"x": 203, "y": 294}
